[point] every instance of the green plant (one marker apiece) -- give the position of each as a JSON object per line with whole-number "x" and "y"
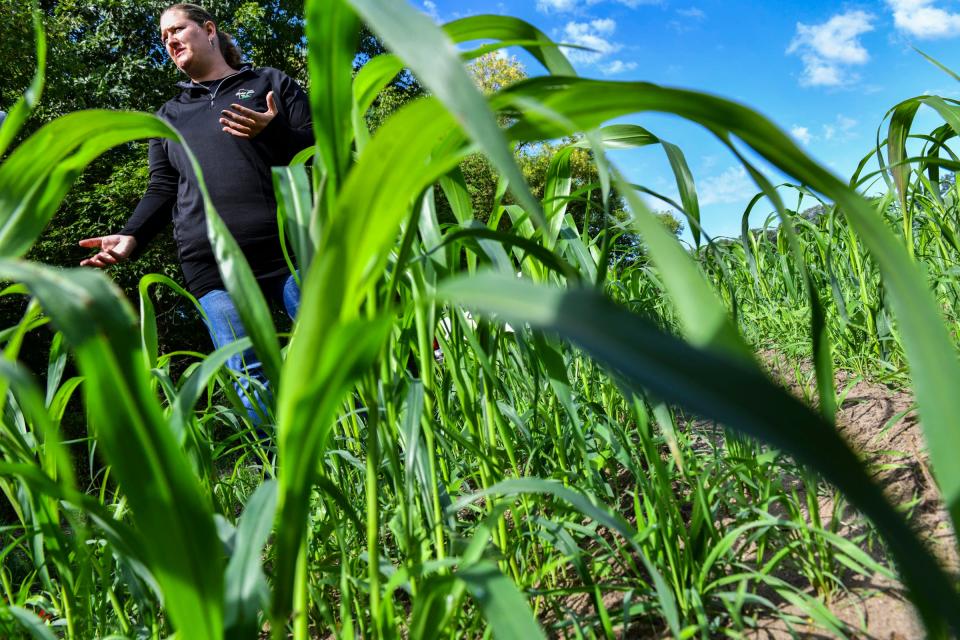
{"x": 532, "y": 463}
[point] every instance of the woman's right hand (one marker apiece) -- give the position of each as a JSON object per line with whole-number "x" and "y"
{"x": 112, "y": 249}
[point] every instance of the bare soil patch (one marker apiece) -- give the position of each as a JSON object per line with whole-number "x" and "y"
{"x": 881, "y": 425}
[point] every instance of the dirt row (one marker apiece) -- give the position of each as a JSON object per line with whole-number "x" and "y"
{"x": 879, "y": 423}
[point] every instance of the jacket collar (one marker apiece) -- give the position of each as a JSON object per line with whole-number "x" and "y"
{"x": 183, "y": 84}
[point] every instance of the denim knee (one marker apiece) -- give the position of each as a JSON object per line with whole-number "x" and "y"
{"x": 291, "y": 297}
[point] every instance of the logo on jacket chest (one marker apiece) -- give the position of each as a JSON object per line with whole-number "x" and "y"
{"x": 243, "y": 94}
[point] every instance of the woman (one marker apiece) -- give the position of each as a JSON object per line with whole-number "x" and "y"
{"x": 238, "y": 121}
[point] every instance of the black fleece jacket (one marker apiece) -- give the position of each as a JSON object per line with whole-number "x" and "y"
{"x": 236, "y": 172}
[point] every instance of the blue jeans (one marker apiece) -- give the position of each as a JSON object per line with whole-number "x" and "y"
{"x": 223, "y": 323}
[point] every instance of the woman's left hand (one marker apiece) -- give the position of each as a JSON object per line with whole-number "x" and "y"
{"x": 247, "y": 123}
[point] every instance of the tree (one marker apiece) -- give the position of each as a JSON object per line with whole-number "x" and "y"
{"x": 495, "y": 71}
{"x": 670, "y": 221}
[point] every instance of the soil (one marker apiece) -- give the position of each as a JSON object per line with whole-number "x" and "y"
{"x": 881, "y": 425}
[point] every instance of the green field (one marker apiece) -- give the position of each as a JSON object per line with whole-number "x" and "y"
{"x": 596, "y": 447}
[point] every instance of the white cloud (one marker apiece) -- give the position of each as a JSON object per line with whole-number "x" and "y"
{"x": 593, "y": 35}
{"x": 559, "y": 6}
{"x": 919, "y": 18}
{"x": 693, "y": 13}
{"x": 604, "y": 25}
{"x": 841, "y": 129}
{"x": 802, "y": 134}
{"x": 618, "y": 66}
{"x": 430, "y": 8}
{"x": 687, "y": 19}
{"x": 828, "y": 49}
{"x": 845, "y": 123}
{"x": 820, "y": 73}
{"x": 837, "y": 38}
{"x": 571, "y": 6}
{"x": 730, "y": 187}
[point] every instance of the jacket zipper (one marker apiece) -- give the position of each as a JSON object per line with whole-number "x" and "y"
{"x": 213, "y": 94}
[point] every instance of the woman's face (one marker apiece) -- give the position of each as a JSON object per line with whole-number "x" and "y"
{"x": 187, "y": 43}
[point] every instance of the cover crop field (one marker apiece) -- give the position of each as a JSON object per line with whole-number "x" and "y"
{"x": 524, "y": 423}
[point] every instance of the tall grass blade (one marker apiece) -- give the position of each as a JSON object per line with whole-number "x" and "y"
{"x": 197, "y": 380}
{"x": 295, "y": 209}
{"x": 454, "y": 186}
{"x": 371, "y": 205}
{"x": 702, "y": 316}
{"x": 425, "y": 48}
{"x": 628, "y": 136}
{"x": 901, "y": 118}
{"x": 372, "y": 78}
{"x": 320, "y": 368}
{"x": 730, "y": 390}
{"x": 31, "y": 623}
{"x": 505, "y": 609}
{"x": 376, "y": 197}
{"x": 37, "y": 175}
{"x": 245, "y": 584}
{"x": 24, "y": 105}
{"x": 508, "y": 28}
{"x": 939, "y": 65}
{"x": 245, "y": 292}
{"x": 148, "y": 317}
{"x": 556, "y": 191}
{"x": 334, "y": 24}
{"x": 173, "y": 518}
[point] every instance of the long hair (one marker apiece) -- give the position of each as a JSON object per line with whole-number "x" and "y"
{"x": 231, "y": 53}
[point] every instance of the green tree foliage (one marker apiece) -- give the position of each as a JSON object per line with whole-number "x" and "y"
{"x": 495, "y": 71}
{"x": 671, "y": 222}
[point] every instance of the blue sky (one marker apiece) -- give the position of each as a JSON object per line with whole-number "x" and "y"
{"x": 826, "y": 72}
